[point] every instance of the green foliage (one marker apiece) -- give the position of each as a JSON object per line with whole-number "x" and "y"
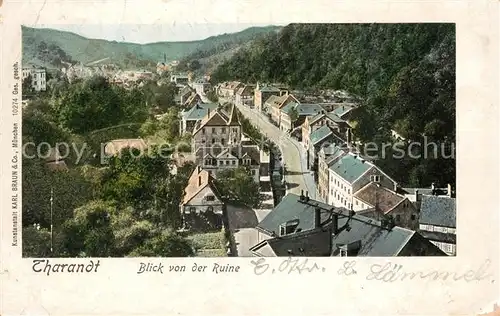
{"x": 294, "y": 115}
{"x": 39, "y": 45}
{"x": 238, "y": 185}
{"x": 89, "y": 232}
{"x": 405, "y": 73}
{"x": 212, "y": 95}
{"x": 165, "y": 244}
{"x": 70, "y": 190}
{"x": 36, "y": 242}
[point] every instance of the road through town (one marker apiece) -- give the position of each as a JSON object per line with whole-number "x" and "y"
{"x": 294, "y": 156}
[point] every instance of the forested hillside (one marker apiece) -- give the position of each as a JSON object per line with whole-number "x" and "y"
{"x": 404, "y": 72}
{"x": 49, "y": 48}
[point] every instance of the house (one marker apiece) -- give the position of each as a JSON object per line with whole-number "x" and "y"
{"x": 277, "y": 103}
{"x": 437, "y": 223}
{"x": 415, "y": 194}
{"x": 189, "y": 118}
{"x": 38, "y": 77}
{"x": 327, "y": 155}
{"x": 303, "y": 110}
{"x": 344, "y": 110}
{"x": 374, "y": 200}
{"x": 312, "y": 123}
{"x": 349, "y": 174}
{"x": 180, "y": 79}
{"x": 202, "y": 206}
{"x": 216, "y": 158}
{"x": 245, "y": 95}
{"x": 228, "y": 89}
{"x": 300, "y": 226}
{"x": 201, "y": 86}
{"x": 323, "y": 136}
{"x": 115, "y": 147}
{"x": 191, "y": 100}
{"x": 217, "y": 129}
{"x": 262, "y": 93}
{"x": 183, "y": 94}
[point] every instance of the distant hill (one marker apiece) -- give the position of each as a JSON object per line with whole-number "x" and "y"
{"x": 52, "y": 48}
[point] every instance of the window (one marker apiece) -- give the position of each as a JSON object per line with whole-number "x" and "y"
{"x": 253, "y": 172}
{"x": 203, "y": 131}
{"x": 192, "y": 209}
{"x": 398, "y": 218}
{"x": 375, "y": 178}
{"x": 210, "y": 208}
{"x": 356, "y": 202}
{"x": 213, "y": 140}
{"x": 221, "y": 162}
{"x": 343, "y": 252}
{"x": 349, "y": 191}
{"x": 235, "y": 130}
{"x": 223, "y": 130}
{"x": 210, "y": 198}
{"x": 227, "y": 162}
{"x": 234, "y": 162}
{"x": 222, "y": 141}
{"x": 213, "y": 130}
{"x": 413, "y": 217}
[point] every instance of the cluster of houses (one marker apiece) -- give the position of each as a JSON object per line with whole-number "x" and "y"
{"x": 349, "y": 188}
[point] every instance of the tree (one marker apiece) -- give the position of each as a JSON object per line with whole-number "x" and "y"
{"x": 90, "y": 105}
{"x": 27, "y": 85}
{"x": 294, "y": 115}
{"x": 238, "y": 185}
{"x": 36, "y": 242}
{"x": 70, "y": 190}
{"x": 166, "y": 244}
{"x": 89, "y": 232}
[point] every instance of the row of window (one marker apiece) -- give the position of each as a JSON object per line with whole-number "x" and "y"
{"x": 439, "y": 229}
{"x": 222, "y": 141}
{"x": 446, "y": 247}
{"x": 341, "y": 198}
{"x": 341, "y": 185}
{"x": 222, "y": 130}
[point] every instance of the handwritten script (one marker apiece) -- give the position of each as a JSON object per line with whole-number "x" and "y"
{"x": 391, "y": 272}
{"x": 289, "y": 266}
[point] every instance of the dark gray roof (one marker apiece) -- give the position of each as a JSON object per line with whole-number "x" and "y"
{"x": 438, "y": 211}
{"x": 289, "y": 209}
{"x": 438, "y": 236}
{"x": 375, "y": 240}
{"x": 312, "y": 243}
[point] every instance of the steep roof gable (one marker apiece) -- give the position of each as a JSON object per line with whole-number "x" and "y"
{"x": 233, "y": 117}
{"x": 350, "y": 168}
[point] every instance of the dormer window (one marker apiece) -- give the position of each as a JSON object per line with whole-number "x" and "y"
{"x": 375, "y": 178}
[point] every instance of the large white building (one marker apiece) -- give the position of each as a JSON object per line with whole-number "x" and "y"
{"x": 38, "y": 78}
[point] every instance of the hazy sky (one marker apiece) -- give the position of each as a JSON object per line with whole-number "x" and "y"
{"x": 149, "y": 33}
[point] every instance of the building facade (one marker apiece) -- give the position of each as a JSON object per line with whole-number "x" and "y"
{"x": 38, "y": 78}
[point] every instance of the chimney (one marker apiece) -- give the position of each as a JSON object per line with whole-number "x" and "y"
{"x": 416, "y": 195}
{"x": 307, "y": 196}
{"x": 335, "y": 223}
{"x": 208, "y": 112}
{"x": 198, "y": 169}
{"x": 449, "y": 190}
{"x": 301, "y": 197}
{"x": 199, "y": 180}
{"x": 317, "y": 217}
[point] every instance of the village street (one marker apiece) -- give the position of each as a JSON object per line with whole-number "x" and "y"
{"x": 294, "y": 155}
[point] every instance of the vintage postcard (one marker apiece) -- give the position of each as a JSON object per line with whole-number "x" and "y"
{"x": 228, "y": 157}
